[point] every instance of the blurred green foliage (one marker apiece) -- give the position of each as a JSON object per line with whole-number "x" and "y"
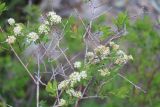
{"x": 2, "y": 7}
{"x": 51, "y": 88}
{"x": 121, "y": 21}
{"x": 142, "y": 41}
{"x": 13, "y": 79}
{"x": 73, "y": 34}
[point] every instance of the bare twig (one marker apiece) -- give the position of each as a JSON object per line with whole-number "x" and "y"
{"x": 106, "y": 11}
{"x": 65, "y": 57}
{"x": 23, "y": 64}
{"x": 91, "y": 97}
{"x": 37, "y": 83}
{"x": 52, "y": 41}
{"x": 132, "y": 83}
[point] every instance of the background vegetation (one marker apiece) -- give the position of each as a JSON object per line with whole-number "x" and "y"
{"x": 142, "y": 40}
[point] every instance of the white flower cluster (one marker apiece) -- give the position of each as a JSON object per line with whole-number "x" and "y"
{"x": 17, "y": 29}
{"x": 122, "y": 57}
{"x": 11, "y": 21}
{"x": 63, "y": 84}
{"x": 104, "y": 72}
{"x": 83, "y": 74}
{"x": 102, "y": 50}
{"x": 90, "y": 55}
{"x": 32, "y": 37}
{"x": 43, "y": 29}
{"x": 54, "y": 18}
{"x": 100, "y": 53}
{"x": 10, "y": 39}
{"x": 76, "y": 77}
{"x": 73, "y": 79}
{"x": 77, "y": 64}
{"x": 62, "y": 102}
{"x": 74, "y": 93}
{"x": 51, "y": 13}
{"x": 69, "y": 83}
{"x": 46, "y": 23}
{"x": 114, "y": 46}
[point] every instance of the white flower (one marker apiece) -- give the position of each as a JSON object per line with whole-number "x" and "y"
{"x": 83, "y": 74}
{"x": 43, "y": 29}
{"x": 104, "y": 72}
{"x": 130, "y": 57}
{"x": 51, "y": 13}
{"x": 96, "y": 60}
{"x": 122, "y": 58}
{"x": 114, "y": 46}
{"x": 70, "y": 92}
{"x": 74, "y": 78}
{"x": 17, "y": 29}
{"x": 11, "y": 21}
{"x": 111, "y": 43}
{"x": 90, "y": 54}
{"x": 32, "y": 36}
{"x": 74, "y": 93}
{"x": 63, "y": 84}
{"x": 121, "y": 61}
{"x": 62, "y": 102}
{"x": 78, "y": 94}
{"x": 77, "y": 64}
{"x": 102, "y": 51}
{"x": 106, "y": 51}
{"x": 46, "y": 22}
{"x": 10, "y": 39}
{"x": 54, "y": 18}
{"x": 120, "y": 53}
{"x": 99, "y": 49}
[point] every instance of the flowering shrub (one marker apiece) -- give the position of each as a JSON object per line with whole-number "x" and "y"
{"x": 99, "y": 64}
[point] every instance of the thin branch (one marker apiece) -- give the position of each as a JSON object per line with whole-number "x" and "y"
{"x": 38, "y": 75}
{"x": 116, "y": 36}
{"x": 80, "y": 18}
{"x": 102, "y": 13}
{"x": 132, "y": 83}
{"x": 23, "y": 64}
{"x": 65, "y": 56}
{"x": 91, "y": 97}
{"x": 52, "y": 41}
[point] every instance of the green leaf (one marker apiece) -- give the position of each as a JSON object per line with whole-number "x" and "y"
{"x": 45, "y": 39}
{"x": 51, "y": 88}
{"x": 121, "y": 20}
{"x": 106, "y": 32}
{"x": 2, "y": 7}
